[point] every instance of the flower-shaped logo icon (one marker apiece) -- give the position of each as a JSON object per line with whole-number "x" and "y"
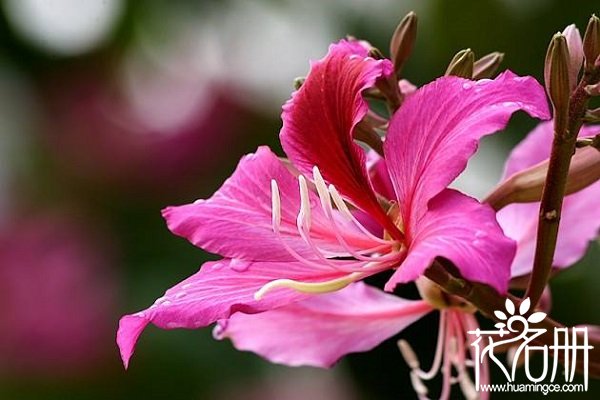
{"x": 534, "y": 318}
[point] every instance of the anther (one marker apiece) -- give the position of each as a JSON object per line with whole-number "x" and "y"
{"x": 418, "y": 385}
{"x": 340, "y": 203}
{"x": 304, "y": 214}
{"x": 409, "y": 354}
{"x": 275, "y": 205}
{"x": 321, "y": 189}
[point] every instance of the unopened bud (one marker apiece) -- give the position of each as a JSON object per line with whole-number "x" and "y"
{"x": 462, "y": 64}
{"x": 591, "y": 42}
{"x": 556, "y": 75}
{"x": 403, "y": 41}
{"x": 298, "y": 82}
{"x": 575, "y": 48}
{"x": 526, "y": 186}
{"x": 487, "y": 65}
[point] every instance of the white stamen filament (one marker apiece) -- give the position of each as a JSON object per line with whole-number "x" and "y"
{"x": 309, "y": 287}
{"x": 450, "y": 352}
{"x": 439, "y": 351}
{"x": 304, "y": 215}
{"x": 325, "y": 197}
{"x": 418, "y": 386}
{"x": 321, "y": 189}
{"x": 343, "y": 208}
{"x": 275, "y": 204}
{"x": 276, "y": 210}
{"x": 303, "y": 223}
{"x": 357, "y": 269}
{"x": 409, "y": 354}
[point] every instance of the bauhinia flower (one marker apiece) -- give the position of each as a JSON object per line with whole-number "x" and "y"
{"x": 288, "y": 230}
{"x": 321, "y": 330}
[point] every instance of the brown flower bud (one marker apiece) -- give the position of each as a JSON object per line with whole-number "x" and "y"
{"x": 462, "y": 64}
{"x": 526, "y": 186}
{"x": 487, "y": 65}
{"x": 556, "y": 75}
{"x": 591, "y": 42}
{"x": 403, "y": 41}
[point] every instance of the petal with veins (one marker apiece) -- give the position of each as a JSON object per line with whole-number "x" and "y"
{"x": 215, "y": 292}
{"x": 319, "y": 119}
{"x": 465, "y": 232}
{"x": 237, "y": 221}
{"x": 437, "y": 130}
{"x": 320, "y": 330}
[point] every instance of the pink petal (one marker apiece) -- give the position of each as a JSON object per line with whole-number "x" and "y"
{"x": 438, "y": 128}
{"x": 218, "y": 290}
{"x": 580, "y": 219}
{"x": 319, "y": 119}
{"x": 465, "y": 232}
{"x": 236, "y": 221}
{"x": 379, "y": 175}
{"x": 320, "y": 330}
{"x": 575, "y": 47}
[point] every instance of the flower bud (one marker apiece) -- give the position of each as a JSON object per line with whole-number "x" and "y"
{"x": 403, "y": 41}
{"x": 575, "y": 48}
{"x": 487, "y": 65}
{"x": 526, "y": 186}
{"x": 556, "y": 75}
{"x": 462, "y": 64}
{"x": 591, "y": 42}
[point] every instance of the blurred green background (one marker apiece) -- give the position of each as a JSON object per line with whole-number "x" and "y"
{"x": 111, "y": 110}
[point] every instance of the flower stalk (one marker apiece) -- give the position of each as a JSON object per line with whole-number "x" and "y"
{"x": 568, "y": 122}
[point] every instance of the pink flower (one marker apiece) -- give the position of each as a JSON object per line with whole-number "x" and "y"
{"x": 274, "y": 223}
{"x": 321, "y": 330}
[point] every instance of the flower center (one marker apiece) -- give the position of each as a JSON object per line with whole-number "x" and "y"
{"x": 355, "y": 263}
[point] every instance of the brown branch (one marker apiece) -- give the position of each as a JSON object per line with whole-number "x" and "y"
{"x": 563, "y": 148}
{"x": 487, "y": 300}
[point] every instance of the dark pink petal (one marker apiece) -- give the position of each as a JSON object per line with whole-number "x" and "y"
{"x": 319, "y": 331}
{"x": 465, "y": 232}
{"x": 219, "y": 289}
{"x": 236, "y": 222}
{"x": 380, "y": 176}
{"x": 438, "y": 128}
{"x": 319, "y": 119}
{"x": 580, "y": 219}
